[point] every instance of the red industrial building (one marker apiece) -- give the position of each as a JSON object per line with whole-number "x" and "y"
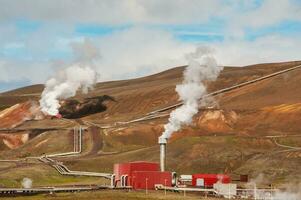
{"x": 141, "y": 175}
{"x": 208, "y": 180}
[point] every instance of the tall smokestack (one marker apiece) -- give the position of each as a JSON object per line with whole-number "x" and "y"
{"x": 162, "y": 142}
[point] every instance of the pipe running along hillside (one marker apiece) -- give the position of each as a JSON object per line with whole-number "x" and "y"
{"x": 77, "y": 149}
{"x": 230, "y": 88}
{"x": 77, "y": 144}
{"x": 63, "y": 170}
{"x": 159, "y": 113}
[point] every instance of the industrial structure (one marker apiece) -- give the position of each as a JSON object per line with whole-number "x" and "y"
{"x": 208, "y": 180}
{"x": 141, "y": 175}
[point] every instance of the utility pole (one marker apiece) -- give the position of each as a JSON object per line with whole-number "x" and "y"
{"x": 165, "y": 186}
{"x": 146, "y": 192}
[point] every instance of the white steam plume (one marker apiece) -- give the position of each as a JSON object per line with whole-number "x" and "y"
{"x": 68, "y": 81}
{"x": 202, "y": 67}
{"x": 286, "y": 196}
{"x": 26, "y": 183}
{"x": 65, "y": 85}
{"x": 289, "y": 191}
{"x": 292, "y": 192}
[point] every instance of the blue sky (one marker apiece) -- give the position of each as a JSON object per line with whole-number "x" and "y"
{"x": 125, "y": 39}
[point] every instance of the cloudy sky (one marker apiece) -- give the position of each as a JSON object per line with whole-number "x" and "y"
{"x": 131, "y": 38}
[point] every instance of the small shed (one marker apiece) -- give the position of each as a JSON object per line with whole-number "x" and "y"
{"x": 208, "y": 180}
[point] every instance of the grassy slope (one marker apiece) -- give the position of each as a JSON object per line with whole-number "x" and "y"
{"x": 41, "y": 175}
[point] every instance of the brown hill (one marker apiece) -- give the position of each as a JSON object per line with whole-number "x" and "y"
{"x": 230, "y": 138}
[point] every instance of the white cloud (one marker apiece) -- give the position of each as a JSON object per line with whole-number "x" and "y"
{"x": 129, "y": 53}
{"x": 269, "y": 13}
{"x": 35, "y": 72}
{"x": 241, "y": 13}
{"x": 272, "y": 48}
{"x": 111, "y": 11}
{"x": 139, "y": 51}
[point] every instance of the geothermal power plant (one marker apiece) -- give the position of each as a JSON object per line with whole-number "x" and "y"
{"x": 150, "y": 99}
{"x": 144, "y": 175}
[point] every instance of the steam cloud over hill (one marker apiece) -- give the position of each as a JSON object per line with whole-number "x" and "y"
{"x": 65, "y": 85}
{"x": 202, "y": 67}
{"x": 66, "y": 82}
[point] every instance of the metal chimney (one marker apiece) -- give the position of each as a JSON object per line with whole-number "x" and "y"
{"x": 162, "y": 142}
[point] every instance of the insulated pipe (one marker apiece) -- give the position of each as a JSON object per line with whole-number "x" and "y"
{"x": 125, "y": 180}
{"x": 74, "y": 139}
{"x": 121, "y": 180}
{"x": 113, "y": 180}
{"x": 174, "y": 180}
{"x": 162, "y": 142}
{"x": 80, "y": 139}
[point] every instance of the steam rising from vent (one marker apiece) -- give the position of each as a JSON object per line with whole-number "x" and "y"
{"x": 26, "y": 183}
{"x": 202, "y": 67}
{"x": 290, "y": 191}
{"x": 287, "y": 195}
{"x": 65, "y": 84}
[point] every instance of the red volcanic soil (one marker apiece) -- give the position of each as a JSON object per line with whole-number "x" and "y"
{"x": 15, "y": 116}
{"x": 19, "y": 113}
{"x": 14, "y": 141}
{"x": 217, "y": 120}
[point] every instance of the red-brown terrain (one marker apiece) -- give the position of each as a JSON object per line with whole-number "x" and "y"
{"x": 253, "y": 129}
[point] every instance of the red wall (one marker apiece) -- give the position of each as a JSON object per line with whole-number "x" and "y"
{"x": 210, "y": 179}
{"x": 139, "y": 172}
{"x": 128, "y": 168}
{"x": 148, "y": 179}
{"x": 121, "y": 169}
